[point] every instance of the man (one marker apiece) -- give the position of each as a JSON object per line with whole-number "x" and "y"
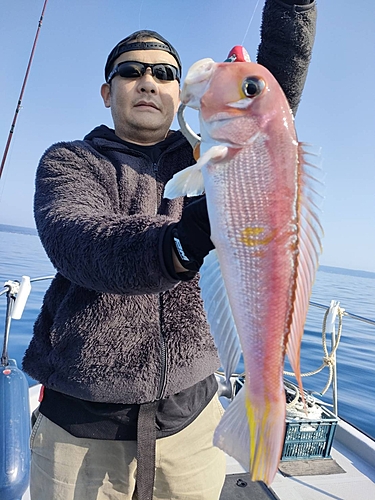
{"x": 121, "y": 345}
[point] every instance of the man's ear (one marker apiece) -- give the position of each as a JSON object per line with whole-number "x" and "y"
{"x": 179, "y": 100}
{"x": 105, "y": 91}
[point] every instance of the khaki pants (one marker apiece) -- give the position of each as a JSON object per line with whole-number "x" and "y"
{"x": 187, "y": 466}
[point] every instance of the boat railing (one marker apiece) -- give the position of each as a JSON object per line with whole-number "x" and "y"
{"x": 18, "y": 291}
{"x": 334, "y": 311}
{"x": 346, "y": 313}
{"x": 333, "y": 314}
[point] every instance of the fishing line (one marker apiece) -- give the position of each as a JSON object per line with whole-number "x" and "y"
{"x": 251, "y": 20}
{"x": 139, "y": 15}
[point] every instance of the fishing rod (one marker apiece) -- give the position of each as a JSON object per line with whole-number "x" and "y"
{"x": 19, "y": 103}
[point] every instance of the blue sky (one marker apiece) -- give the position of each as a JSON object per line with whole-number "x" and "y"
{"x": 62, "y": 99}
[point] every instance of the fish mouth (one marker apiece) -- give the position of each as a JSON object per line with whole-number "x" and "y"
{"x": 234, "y": 111}
{"x": 223, "y": 116}
{"x": 217, "y": 128}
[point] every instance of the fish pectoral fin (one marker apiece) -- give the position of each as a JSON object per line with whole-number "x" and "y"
{"x": 190, "y": 182}
{"x": 232, "y": 435}
{"x": 187, "y": 182}
{"x": 215, "y": 154}
{"x": 219, "y": 313}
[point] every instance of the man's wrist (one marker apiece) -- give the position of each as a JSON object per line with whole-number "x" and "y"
{"x": 172, "y": 265}
{"x": 179, "y": 253}
{"x": 177, "y": 264}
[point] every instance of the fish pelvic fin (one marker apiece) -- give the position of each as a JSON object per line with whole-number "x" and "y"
{"x": 309, "y": 249}
{"x": 219, "y": 313}
{"x": 189, "y": 182}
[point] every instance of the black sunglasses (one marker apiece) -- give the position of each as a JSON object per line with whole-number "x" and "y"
{"x": 136, "y": 69}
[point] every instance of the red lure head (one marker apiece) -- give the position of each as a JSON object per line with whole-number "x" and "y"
{"x": 238, "y": 54}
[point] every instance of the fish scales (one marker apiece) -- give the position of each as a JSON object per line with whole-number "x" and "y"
{"x": 257, "y": 281}
{"x": 239, "y": 190}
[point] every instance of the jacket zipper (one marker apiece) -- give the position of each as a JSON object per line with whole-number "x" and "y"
{"x": 163, "y": 353}
{"x": 163, "y": 347}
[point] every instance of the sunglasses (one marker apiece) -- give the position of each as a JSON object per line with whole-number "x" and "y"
{"x": 135, "y": 69}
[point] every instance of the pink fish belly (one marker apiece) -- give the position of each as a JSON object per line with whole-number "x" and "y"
{"x": 252, "y": 208}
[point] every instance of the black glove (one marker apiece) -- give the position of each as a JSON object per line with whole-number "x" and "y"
{"x": 191, "y": 236}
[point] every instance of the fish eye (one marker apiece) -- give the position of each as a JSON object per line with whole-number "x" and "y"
{"x": 253, "y": 86}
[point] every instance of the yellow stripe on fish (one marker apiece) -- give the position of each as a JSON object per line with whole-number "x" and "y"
{"x": 250, "y": 236}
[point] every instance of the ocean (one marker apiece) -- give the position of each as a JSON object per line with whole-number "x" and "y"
{"x": 21, "y": 254}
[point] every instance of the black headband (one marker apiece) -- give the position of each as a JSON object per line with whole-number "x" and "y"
{"x": 130, "y": 43}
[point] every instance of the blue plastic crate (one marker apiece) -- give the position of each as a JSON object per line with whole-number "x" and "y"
{"x": 308, "y": 439}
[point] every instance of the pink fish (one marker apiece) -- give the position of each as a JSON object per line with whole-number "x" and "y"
{"x": 256, "y": 283}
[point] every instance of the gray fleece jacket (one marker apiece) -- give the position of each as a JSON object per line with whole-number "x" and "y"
{"x": 114, "y": 325}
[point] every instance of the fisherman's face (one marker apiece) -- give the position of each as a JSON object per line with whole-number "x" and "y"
{"x": 142, "y": 108}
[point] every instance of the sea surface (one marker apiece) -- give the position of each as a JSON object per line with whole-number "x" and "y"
{"x": 22, "y": 254}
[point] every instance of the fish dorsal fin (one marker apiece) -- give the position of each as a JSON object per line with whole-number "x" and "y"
{"x": 309, "y": 245}
{"x": 189, "y": 182}
{"x": 219, "y": 313}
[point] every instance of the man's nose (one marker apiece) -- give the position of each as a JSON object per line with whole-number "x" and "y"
{"x": 147, "y": 82}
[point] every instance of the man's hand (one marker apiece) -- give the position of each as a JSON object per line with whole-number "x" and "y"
{"x": 191, "y": 236}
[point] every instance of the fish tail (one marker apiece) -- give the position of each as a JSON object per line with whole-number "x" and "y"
{"x": 267, "y": 431}
{"x": 232, "y": 434}
{"x": 254, "y": 436}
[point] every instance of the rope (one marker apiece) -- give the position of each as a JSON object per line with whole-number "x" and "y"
{"x": 329, "y": 359}
{"x": 298, "y": 407}
{"x": 302, "y": 406}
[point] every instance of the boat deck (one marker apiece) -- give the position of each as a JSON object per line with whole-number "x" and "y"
{"x": 356, "y": 480}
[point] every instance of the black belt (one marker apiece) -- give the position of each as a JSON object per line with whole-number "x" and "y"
{"x": 146, "y": 443}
